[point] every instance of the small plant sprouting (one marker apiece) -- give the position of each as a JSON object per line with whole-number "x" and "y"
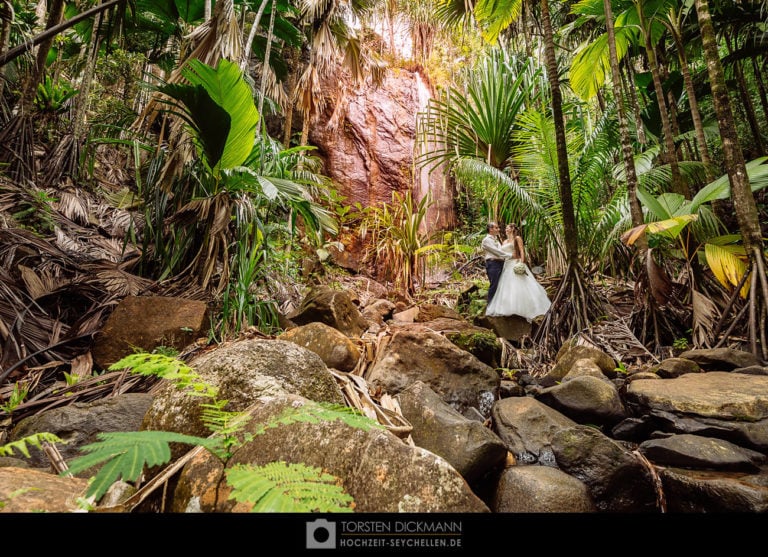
{"x": 680, "y": 343}
{"x": 19, "y": 393}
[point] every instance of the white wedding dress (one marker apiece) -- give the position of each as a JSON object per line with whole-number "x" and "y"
{"x": 518, "y": 294}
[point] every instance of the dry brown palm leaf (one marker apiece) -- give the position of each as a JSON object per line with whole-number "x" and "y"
{"x": 114, "y": 280}
{"x": 40, "y": 284}
{"x": 386, "y": 411}
{"x": 73, "y": 204}
{"x": 705, "y": 315}
{"x": 614, "y": 337}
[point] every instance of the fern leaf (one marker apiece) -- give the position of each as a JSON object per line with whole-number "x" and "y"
{"x": 282, "y": 487}
{"x": 168, "y": 368}
{"x": 36, "y": 440}
{"x": 127, "y": 453}
{"x": 321, "y": 411}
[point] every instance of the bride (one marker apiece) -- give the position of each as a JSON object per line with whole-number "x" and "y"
{"x": 518, "y": 293}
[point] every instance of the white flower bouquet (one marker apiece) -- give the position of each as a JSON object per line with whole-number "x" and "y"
{"x": 519, "y": 268}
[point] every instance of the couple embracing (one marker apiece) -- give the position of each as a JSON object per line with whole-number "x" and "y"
{"x": 513, "y": 289}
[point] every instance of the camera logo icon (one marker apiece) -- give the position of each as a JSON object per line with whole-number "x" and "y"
{"x": 321, "y": 534}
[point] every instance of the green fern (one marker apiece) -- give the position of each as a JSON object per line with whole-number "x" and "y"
{"x": 225, "y": 425}
{"x": 127, "y": 453}
{"x": 321, "y": 412}
{"x": 290, "y": 488}
{"x": 166, "y": 367}
{"x": 36, "y": 440}
{"x": 274, "y": 487}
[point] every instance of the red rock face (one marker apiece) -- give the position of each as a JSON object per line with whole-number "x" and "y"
{"x": 370, "y": 152}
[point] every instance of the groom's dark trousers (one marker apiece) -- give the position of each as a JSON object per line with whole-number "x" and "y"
{"x": 493, "y": 268}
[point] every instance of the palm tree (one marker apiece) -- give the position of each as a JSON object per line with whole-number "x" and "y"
{"x": 639, "y": 21}
{"x": 16, "y": 141}
{"x": 674, "y": 22}
{"x": 743, "y": 199}
{"x": 626, "y": 144}
{"x": 575, "y": 302}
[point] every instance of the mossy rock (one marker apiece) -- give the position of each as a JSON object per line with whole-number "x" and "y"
{"x": 481, "y": 344}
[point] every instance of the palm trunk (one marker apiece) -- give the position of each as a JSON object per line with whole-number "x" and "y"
{"x": 693, "y": 103}
{"x": 631, "y": 93}
{"x": 292, "y": 77}
{"x": 564, "y": 176}
{"x": 251, "y": 35}
{"x": 575, "y": 299}
{"x": 678, "y": 186}
{"x": 30, "y": 87}
{"x": 6, "y": 12}
{"x": 635, "y": 209}
{"x": 265, "y": 66}
{"x": 760, "y": 86}
{"x": 741, "y": 193}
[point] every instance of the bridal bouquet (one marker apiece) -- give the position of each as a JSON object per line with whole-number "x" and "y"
{"x": 519, "y": 268}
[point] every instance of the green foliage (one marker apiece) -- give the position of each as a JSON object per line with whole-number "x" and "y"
{"x": 294, "y": 487}
{"x": 19, "y": 393}
{"x": 680, "y": 343}
{"x": 320, "y": 412}
{"x": 125, "y": 454}
{"x": 51, "y": 95}
{"x": 166, "y": 367}
{"x": 219, "y": 107}
{"x": 282, "y": 487}
{"x": 36, "y": 440}
{"x": 396, "y": 242}
{"x": 34, "y": 211}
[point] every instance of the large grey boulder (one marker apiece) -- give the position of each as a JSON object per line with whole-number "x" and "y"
{"x": 376, "y": 468}
{"x": 457, "y": 376}
{"x": 470, "y": 447}
{"x": 526, "y": 426}
{"x": 540, "y": 489}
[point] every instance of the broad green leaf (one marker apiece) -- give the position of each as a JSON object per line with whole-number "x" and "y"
{"x": 651, "y": 202}
{"x": 592, "y": 64}
{"x": 721, "y": 187}
{"x": 494, "y": 16}
{"x": 209, "y": 121}
{"x": 228, "y": 89}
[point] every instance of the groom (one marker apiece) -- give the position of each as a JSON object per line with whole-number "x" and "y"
{"x": 494, "y": 257}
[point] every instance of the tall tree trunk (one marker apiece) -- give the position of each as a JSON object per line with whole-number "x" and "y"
{"x": 265, "y": 66}
{"x": 678, "y": 186}
{"x": 693, "y": 103}
{"x": 92, "y": 53}
{"x": 760, "y": 87}
{"x": 251, "y": 35}
{"x": 55, "y": 16}
{"x": 293, "y": 67}
{"x": 741, "y": 193}
{"x": 628, "y": 85}
{"x": 749, "y": 108}
{"x": 575, "y": 301}
{"x": 564, "y": 175}
{"x": 6, "y": 17}
{"x": 635, "y": 209}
